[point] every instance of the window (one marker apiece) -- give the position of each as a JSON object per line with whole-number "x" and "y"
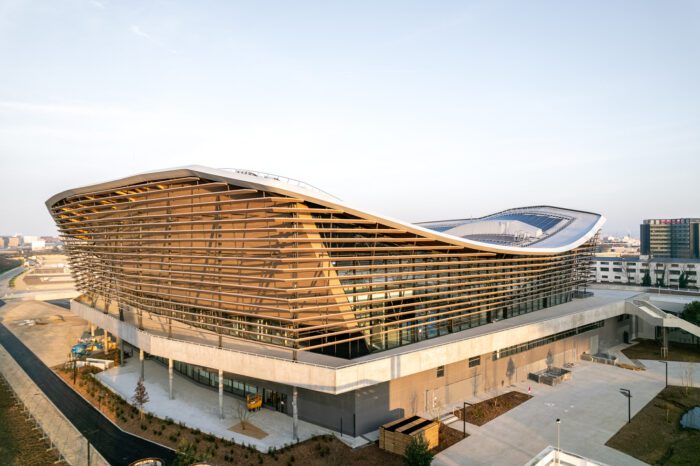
{"x": 617, "y": 269}
{"x": 475, "y": 361}
{"x": 605, "y": 269}
{"x": 441, "y": 371}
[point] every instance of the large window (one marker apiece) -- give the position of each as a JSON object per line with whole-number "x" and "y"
{"x": 544, "y": 341}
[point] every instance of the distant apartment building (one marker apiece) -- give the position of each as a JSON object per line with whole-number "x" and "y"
{"x": 38, "y": 245}
{"x": 677, "y": 238}
{"x": 665, "y": 272}
{"x": 13, "y": 241}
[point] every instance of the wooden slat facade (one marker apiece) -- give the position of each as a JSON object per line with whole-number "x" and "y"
{"x": 282, "y": 270}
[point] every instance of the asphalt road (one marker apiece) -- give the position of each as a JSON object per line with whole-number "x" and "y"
{"x": 115, "y": 445}
{"x": 64, "y": 303}
{"x": 5, "y": 279}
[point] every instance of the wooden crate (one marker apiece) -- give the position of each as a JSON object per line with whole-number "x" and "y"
{"x": 396, "y": 435}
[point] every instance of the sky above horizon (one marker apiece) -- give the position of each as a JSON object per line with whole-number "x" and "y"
{"x": 416, "y": 110}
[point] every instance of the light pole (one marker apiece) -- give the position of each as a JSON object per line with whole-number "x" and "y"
{"x": 666, "y": 364}
{"x": 558, "y": 424}
{"x": 464, "y": 419}
{"x": 627, "y": 393}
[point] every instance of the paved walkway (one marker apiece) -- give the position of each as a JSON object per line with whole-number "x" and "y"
{"x": 115, "y": 445}
{"x": 590, "y": 407}
{"x": 198, "y": 406}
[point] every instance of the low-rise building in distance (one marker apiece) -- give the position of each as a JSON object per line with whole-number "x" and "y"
{"x": 663, "y": 272}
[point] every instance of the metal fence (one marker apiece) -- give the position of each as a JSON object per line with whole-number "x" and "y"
{"x": 72, "y": 446}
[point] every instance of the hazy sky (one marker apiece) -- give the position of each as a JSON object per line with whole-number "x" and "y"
{"x": 418, "y": 110}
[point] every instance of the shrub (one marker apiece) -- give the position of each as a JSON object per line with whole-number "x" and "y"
{"x": 417, "y": 453}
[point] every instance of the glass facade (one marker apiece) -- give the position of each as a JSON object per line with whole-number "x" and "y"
{"x": 528, "y": 345}
{"x": 272, "y": 399}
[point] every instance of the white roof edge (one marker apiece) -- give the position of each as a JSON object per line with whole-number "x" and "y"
{"x": 266, "y": 184}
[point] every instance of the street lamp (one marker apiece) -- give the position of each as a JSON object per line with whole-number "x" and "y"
{"x": 666, "y": 364}
{"x": 464, "y": 419}
{"x": 558, "y": 450}
{"x": 627, "y": 393}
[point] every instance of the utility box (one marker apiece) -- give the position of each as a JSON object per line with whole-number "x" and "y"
{"x": 396, "y": 435}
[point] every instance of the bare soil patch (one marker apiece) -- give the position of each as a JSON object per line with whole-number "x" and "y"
{"x": 250, "y": 429}
{"x": 655, "y": 435}
{"x": 651, "y": 349}
{"x": 20, "y": 443}
{"x": 448, "y": 437}
{"x": 488, "y": 410}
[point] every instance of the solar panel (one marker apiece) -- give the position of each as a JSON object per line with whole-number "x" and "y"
{"x": 543, "y": 222}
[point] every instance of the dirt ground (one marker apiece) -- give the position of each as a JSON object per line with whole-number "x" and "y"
{"x": 655, "y": 435}
{"x": 488, "y": 410}
{"x": 651, "y": 349}
{"x": 20, "y": 443}
{"x": 55, "y": 330}
{"x": 321, "y": 451}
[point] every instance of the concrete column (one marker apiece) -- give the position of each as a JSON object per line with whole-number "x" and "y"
{"x": 141, "y": 358}
{"x": 106, "y": 341}
{"x": 170, "y": 378}
{"x": 221, "y": 393}
{"x": 295, "y": 416}
{"x": 664, "y": 342}
{"x": 92, "y": 330}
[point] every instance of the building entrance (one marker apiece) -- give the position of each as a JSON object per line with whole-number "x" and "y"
{"x": 275, "y": 400}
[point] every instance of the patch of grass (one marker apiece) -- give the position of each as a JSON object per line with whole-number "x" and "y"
{"x": 20, "y": 443}
{"x": 655, "y": 435}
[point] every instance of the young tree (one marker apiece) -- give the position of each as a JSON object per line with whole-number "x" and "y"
{"x": 187, "y": 454}
{"x": 683, "y": 280}
{"x": 646, "y": 279}
{"x": 244, "y": 414}
{"x": 140, "y": 397}
{"x": 417, "y": 453}
{"x": 660, "y": 273}
{"x": 510, "y": 371}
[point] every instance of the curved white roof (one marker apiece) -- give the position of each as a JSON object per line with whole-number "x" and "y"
{"x": 565, "y": 229}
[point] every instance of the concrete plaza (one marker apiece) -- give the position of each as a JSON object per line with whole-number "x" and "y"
{"x": 590, "y": 407}
{"x": 198, "y": 406}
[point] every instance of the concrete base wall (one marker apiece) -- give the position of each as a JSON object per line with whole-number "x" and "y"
{"x": 366, "y": 393}
{"x": 414, "y": 394}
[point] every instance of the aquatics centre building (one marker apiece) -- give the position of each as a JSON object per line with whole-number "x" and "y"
{"x": 255, "y": 283}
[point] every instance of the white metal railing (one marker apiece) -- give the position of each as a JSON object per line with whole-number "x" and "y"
{"x": 283, "y": 179}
